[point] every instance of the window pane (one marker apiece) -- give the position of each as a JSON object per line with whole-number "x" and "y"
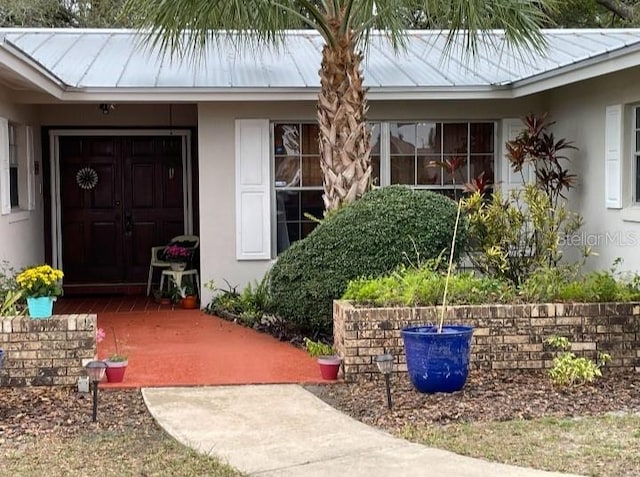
{"x": 310, "y": 139}
{"x": 375, "y": 139}
{"x": 455, "y": 138}
{"x": 460, "y": 169}
{"x": 428, "y": 138}
{"x": 402, "y": 138}
{"x": 288, "y": 203}
{"x": 293, "y": 229}
{"x": 287, "y": 171}
{"x": 403, "y": 170}
{"x": 286, "y": 139}
{"x": 311, "y": 201}
{"x": 638, "y": 118}
{"x": 480, "y": 164}
{"x": 13, "y": 186}
{"x": 481, "y": 137}
{"x": 428, "y": 173}
{"x": 375, "y": 173}
{"x": 638, "y": 139}
{"x": 311, "y": 172}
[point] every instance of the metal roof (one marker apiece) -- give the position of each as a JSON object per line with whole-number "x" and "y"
{"x": 94, "y": 59}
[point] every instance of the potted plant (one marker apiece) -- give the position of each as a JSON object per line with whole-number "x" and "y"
{"x": 117, "y": 362}
{"x": 177, "y": 256}
{"x": 188, "y": 298}
{"x": 438, "y": 356}
{"x": 41, "y": 286}
{"x": 328, "y": 361}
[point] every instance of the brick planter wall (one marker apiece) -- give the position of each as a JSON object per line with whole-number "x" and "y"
{"x": 505, "y": 336}
{"x": 46, "y": 352}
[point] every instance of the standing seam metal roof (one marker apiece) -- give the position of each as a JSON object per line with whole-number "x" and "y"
{"x": 118, "y": 59}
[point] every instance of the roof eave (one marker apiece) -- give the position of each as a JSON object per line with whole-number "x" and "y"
{"x": 31, "y": 71}
{"x": 229, "y": 94}
{"x": 610, "y": 62}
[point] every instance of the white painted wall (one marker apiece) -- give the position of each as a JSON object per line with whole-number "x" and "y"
{"x": 21, "y": 232}
{"x": 579, "y": 112}
{"x": 216, "y": 129}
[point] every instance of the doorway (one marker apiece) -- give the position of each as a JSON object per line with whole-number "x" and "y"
{"x": 115, "y": 196}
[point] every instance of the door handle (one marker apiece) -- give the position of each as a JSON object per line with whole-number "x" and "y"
{"x": 128, "y": 224}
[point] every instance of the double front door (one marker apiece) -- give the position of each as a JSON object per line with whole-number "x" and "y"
{"x": 119, "y": 197}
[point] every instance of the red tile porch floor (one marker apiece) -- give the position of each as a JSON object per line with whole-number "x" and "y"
{"x": 175, "y": 347}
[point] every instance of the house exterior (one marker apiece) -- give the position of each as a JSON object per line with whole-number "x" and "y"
{"x": 107, "y": 147}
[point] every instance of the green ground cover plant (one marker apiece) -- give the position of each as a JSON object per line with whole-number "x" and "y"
{"x": 424, "y": 286}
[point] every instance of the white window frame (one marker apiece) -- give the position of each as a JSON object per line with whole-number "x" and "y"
{"x": 385, "y": 160}
{"x": 19, "y": 148}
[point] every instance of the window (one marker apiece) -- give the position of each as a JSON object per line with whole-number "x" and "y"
{"x": 407, "y": 152}
{"x": 13, "y": 168}
{"x": 297, "y": 180}
{"x": 415, "y": 148}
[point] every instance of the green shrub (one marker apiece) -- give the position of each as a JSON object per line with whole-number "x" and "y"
{"x": 425, "y": 287}
{"x": 373, "y": 236}
{"x": 570, "y": 370}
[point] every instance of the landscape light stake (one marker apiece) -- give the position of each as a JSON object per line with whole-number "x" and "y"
{"x": 385, "y": 366}
{"x": 96, "y": 370}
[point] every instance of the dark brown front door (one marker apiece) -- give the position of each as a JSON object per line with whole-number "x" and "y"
{"x": 119, "y": 197}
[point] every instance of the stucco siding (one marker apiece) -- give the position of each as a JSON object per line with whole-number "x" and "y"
{"x": 21, "y": 231}
{"x": 579, "y": 112}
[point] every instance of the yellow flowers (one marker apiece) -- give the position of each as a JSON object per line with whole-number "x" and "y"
{"x": 40, "y": 281}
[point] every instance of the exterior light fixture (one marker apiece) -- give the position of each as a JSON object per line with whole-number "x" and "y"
{"x": 96, "y": 370}
{"x": 385, "y": 366}
{"x": 106, "y": 108}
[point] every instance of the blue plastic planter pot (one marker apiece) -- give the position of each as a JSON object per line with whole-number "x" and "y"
{"x": 437, "y": 362}
{"x": 1, "y": 358}
{"x": 41, "y": 307}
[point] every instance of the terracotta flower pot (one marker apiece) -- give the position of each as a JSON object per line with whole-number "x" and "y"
{"x": 189, "y": 302}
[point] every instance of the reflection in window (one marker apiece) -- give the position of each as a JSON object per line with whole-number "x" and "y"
{"x": 416, "y": 149}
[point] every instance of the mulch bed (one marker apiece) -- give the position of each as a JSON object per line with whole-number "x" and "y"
{"x": 486, "y": 396}
{"x": 63, "y": 412}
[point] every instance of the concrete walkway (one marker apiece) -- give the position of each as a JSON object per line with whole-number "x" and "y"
{"x": 283, "y": 430}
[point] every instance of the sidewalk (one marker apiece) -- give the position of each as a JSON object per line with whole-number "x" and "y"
{"x": 283, "y": 430}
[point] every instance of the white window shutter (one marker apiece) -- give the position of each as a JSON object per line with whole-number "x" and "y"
{"x": 5, "y": 179}
{"x": 613, "y": 157}
{"x": 31, "y": 183}
{"x": 253, "y": 198}
{"x": 511, "y": 180}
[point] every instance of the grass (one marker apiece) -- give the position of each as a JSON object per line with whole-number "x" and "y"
{"x": 107, "y": 453}
{"x": 595, "y": 446}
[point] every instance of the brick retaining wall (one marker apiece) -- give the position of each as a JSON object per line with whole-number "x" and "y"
{"x": 505, "y": 336}
{"x": 46, "y": 352}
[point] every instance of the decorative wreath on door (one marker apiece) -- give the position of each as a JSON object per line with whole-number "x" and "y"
{"x": 87, "y": 178}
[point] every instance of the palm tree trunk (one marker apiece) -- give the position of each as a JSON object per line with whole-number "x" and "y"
{"x": 344, "y": 136}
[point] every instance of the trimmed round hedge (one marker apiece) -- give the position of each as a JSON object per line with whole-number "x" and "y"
{"x": 384, "y": 229}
